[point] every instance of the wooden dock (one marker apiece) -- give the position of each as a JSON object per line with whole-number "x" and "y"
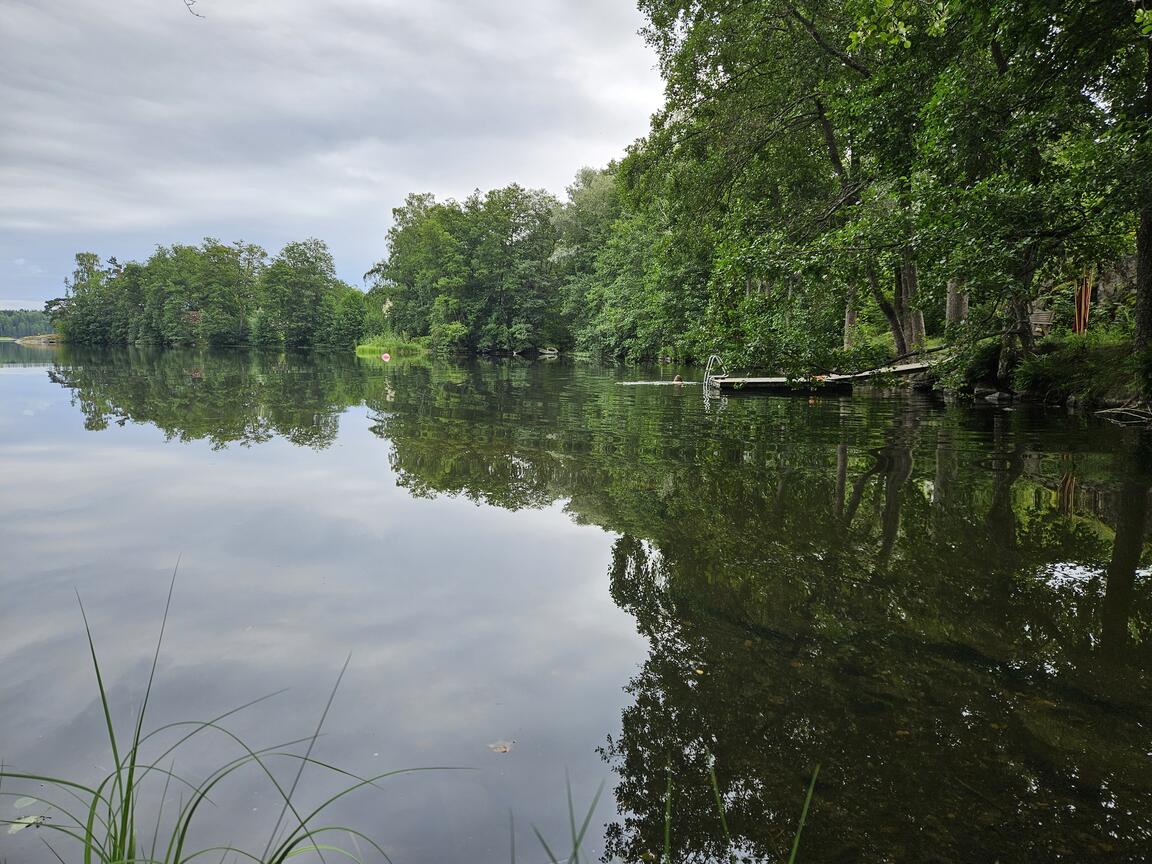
{"x": 816, "y": 384}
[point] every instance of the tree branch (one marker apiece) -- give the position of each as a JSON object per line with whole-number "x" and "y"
{"x": 828, "y": 48}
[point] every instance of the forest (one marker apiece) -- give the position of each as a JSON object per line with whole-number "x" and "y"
{"x": 215, "y": 294}
{"x": 825, "y": 181}
{"x": 827, "y": 184}
{"x": 15, "y": 323}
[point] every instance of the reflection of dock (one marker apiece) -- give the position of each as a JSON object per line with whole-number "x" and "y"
{"x": 815, "y": 384}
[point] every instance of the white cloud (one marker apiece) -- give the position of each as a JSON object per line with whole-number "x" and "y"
{"x": 133, "y": 123}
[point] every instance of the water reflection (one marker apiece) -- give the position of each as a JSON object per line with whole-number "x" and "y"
{"x": 945, "y": 607}
{"x": 940, "y": 606}
{"x": 226, "y": 398}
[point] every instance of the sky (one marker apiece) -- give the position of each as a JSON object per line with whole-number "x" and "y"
{"x": 132, "y": 123}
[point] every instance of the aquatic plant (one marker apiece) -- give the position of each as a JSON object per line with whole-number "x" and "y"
{"x": 103, "y": 822}
{"x": 397, "y": 346}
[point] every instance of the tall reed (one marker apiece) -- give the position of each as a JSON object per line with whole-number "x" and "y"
{"x": 102, "y": 823}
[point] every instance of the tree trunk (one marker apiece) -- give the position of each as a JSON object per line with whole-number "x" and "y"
{"x": 1120, "y": 584}
{"x": 897, "y": 472}
{"x": 944, "y": 481}
{"x": 1017, "y": 339}
{"x": 1023, "y": 310}
{"x": 898, "y": 301}
{"x": 1143, "y": 333}
{"x": 956, "y": 311}
{"x": 850, "y": 318}
{"x": 890, "y": 313}
{"x": 1144, "y": 290}
{"x": 913, "y": 317}
{"x": 841, "y": 478}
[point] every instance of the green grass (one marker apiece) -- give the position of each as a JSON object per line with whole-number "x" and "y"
{"x": 101, "y": 824}
{"x": 1092, "y": 368}
{"x": 732, "y": 857}
{"x": 397, "y": 346}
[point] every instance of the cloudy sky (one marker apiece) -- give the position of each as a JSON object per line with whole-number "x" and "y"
{"x": 131, "y": 123}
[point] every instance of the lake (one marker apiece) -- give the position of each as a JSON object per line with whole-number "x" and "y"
{"x": 554, "y": 578}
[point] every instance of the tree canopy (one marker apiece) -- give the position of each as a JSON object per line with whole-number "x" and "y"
{"x": 215, "y": 293}
{"x": 825, "y": 182}
{"x": 23, "y": 322}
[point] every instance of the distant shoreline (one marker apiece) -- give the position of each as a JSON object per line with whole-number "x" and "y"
{"x": 43, "y": 339}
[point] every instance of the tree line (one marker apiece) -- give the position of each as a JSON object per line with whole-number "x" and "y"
{"x": 826, "y": 184}
{"x": 15, "y": 323}
{"x": 216, "y": 294}
{"x": 824, "y": 181}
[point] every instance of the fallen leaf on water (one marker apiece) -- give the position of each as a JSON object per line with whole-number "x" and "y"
{"x": 699, "y": 671}
{"x": 23, "y": 822}
{"x": 501, "y": 746}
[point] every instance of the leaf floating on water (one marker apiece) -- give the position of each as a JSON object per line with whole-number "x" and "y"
{"x": 21, "y": 803}
{"x": 699, "y": 671}
{"x": 23, "y": 822}
{"x": 501, "y": 746}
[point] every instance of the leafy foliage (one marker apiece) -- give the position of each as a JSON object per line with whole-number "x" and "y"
{"x": 824, "y": 182}
{"x": 475, "y": 275}
{"x": 23, "y": 322}
{"x": 213, "y": 294}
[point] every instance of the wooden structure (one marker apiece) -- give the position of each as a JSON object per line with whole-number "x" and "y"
{"x": 1083, "y": 302}
{"x": 1041, "y": 321}
{"x": 815, "y": 384}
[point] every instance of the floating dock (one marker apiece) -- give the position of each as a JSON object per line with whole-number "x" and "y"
{"x": 834, "y": 383}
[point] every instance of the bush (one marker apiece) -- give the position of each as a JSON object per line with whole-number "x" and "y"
{"x": 1093, "y": 368}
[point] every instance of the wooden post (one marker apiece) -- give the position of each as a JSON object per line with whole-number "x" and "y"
{"x": 1083, "y": 302}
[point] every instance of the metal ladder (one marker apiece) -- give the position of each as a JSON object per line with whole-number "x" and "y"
{"x": 714, "y": 361}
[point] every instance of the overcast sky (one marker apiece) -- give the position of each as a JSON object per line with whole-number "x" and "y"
{"x": 130, "y": 123}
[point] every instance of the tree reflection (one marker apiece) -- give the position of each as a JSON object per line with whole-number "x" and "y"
{"x": 893, "y": 590}
{"x": 225, "y": 398}
{"x": 944, "y": 607}
{"x": 939, "y": 675}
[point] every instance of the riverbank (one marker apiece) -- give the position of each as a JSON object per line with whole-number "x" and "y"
{"x": 1079, "y": 371}
{"x": 42, "y": 339}
{"x": 394, "y": 346}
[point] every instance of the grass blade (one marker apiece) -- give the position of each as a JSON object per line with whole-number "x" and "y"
{"x": 160, "y": 813}
{"x": 803, "y": 816}
{"x": 575, "y": 856}
{"x": 668, "y": 821}
{"x": 307, "y": 754}
{"x": 289, "y": 842}
{"x": 588, "y": 815}
{"x": 129, "y": 796}
{"x": 720, "y": 810}
{"x": 551, "y": 855}
{"x": 55, "y": 854}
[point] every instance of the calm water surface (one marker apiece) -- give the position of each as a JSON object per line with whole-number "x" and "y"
{"x": 947, "y": 608}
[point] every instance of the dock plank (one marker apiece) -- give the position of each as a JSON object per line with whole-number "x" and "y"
{"x": 818, "y": 384}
